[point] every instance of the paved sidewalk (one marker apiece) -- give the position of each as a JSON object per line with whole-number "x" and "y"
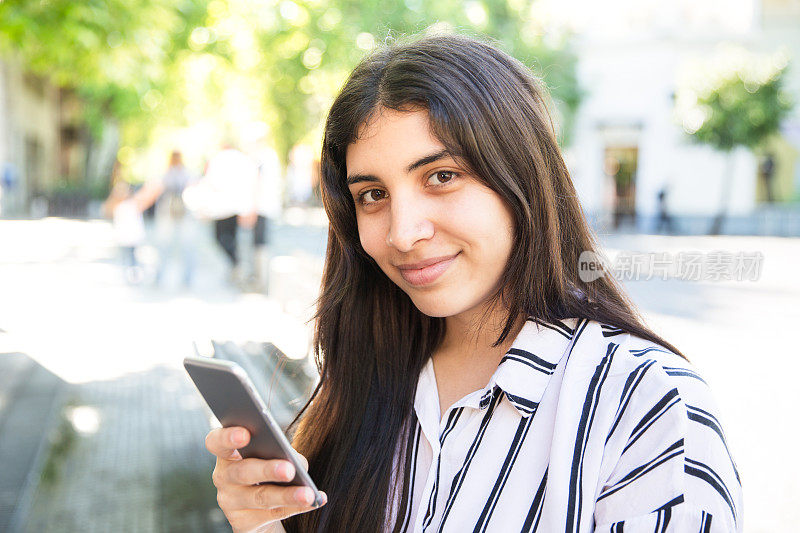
{"x": 137, "y": 462}
{"x": 127, "y": 451}
{"x": 30, "y": 402}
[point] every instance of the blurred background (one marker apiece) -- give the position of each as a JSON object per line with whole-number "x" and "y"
{"x": 159, "y": 199}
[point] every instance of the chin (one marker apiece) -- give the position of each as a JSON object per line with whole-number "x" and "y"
{"x": 439, "y": 307}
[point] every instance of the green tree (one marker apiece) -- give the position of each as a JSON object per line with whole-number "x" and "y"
{"x": 116, "y": 55}
{"x": 313, "y": 45}
{"x": 152, "y": 64}
{"x": 742, "y": 109}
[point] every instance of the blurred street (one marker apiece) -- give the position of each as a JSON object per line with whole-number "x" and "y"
{"x": 137, "y": 424}
{"x": 126, "y": 451}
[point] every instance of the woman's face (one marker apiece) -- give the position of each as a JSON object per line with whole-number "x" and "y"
{"x": 434, "y": 229}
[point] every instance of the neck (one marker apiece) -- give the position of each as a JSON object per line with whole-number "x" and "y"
{"x": 472, "y": 334}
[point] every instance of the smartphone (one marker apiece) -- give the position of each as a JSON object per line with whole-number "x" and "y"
{"x": 233, "y": 399}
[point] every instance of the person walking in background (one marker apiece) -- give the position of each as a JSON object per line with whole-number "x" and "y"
{"x": 9, "y": 178}
{"x": 664, "y": 221}
{"x": 176, "y": 229}
{"x": 125, "y": 210}
{"x": 226, "y": 195}
{"x": 767, "y": 173}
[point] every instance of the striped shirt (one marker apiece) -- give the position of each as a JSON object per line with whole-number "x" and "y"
{"x": 582, "y": 427}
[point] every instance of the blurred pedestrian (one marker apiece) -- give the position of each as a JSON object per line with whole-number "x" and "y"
{"x": 226, "y": 195}
{"x": 176, "y": 230}
{"x": 126, "y": 215}
{"x": 9, "y": 179}
{"x": 664, "y": 222}
{"x": 767, "y": 174}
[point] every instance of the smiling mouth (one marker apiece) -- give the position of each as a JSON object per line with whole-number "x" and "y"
{"x": 426, "y": 272}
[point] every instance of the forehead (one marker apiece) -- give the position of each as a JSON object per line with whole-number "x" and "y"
{"x": 390, "y": 139}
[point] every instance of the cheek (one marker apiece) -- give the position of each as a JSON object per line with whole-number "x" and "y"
{"x": 489, "y": 223}
{"x": 505, "y": 236}
{"x": 372, "y": 238}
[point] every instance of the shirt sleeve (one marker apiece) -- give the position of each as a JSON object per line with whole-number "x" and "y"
{"x": 669, "y": 467}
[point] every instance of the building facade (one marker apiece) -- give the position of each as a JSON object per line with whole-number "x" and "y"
{"x": 631, "y": 159}
{"x": 29, "y": 138}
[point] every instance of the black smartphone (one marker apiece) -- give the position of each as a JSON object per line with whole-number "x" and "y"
{"x": 233, "y": 399}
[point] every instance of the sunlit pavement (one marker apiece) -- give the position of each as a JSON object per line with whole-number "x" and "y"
{"x": 138, "y": 462}
{"x": 65, "y": 303}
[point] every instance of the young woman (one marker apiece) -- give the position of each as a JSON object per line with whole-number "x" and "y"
{"x": 470, "y": 379}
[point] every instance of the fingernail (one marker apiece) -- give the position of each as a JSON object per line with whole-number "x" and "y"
{"x": 286, "y": 471}
{"x": 304, "y": 495}
{"x": 238, "y": 437}
{"x": 324, "y": 498}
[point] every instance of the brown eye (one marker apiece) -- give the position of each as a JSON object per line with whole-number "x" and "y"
{"x": 441, "y": 177}
{"x": 372, "y": 196}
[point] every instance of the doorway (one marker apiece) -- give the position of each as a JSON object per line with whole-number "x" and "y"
{"x": 620, "y": 164}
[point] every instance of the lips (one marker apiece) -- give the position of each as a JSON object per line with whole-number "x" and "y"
{"x": 427, "y": 271}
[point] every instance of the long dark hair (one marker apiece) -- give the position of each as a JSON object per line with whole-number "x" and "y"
{"x": 371, "y": 342}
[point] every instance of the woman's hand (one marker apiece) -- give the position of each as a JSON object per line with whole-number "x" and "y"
{"x": 246, "y": 505}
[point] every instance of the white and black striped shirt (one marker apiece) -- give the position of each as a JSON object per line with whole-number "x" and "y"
{"x": 581, "y": 428}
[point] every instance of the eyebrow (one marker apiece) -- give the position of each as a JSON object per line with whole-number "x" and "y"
{"x": 421, "y": 162}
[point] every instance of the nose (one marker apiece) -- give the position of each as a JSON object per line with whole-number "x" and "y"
{"x": 409, "y": 225}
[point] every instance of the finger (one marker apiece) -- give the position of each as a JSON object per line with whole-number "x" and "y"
{"x": 259, "y": 520}
{"x": 223, "y": 442}
{"x": 270, "y": 496}
{"x": 290, "y": 510}
{"x": 252, "y": 471}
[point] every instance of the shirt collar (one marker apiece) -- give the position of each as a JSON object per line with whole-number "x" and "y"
{"x": 526, "y": 369}
{"x": 523, "y": 373}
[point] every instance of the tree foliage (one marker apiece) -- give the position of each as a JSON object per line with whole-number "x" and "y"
{"x": 116, "y": 54}
{"x": 742, "y": 104}
{"x": 316, "y": 44}
{"x": 152, "y": 63}
{"x": 741, "y": 111}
